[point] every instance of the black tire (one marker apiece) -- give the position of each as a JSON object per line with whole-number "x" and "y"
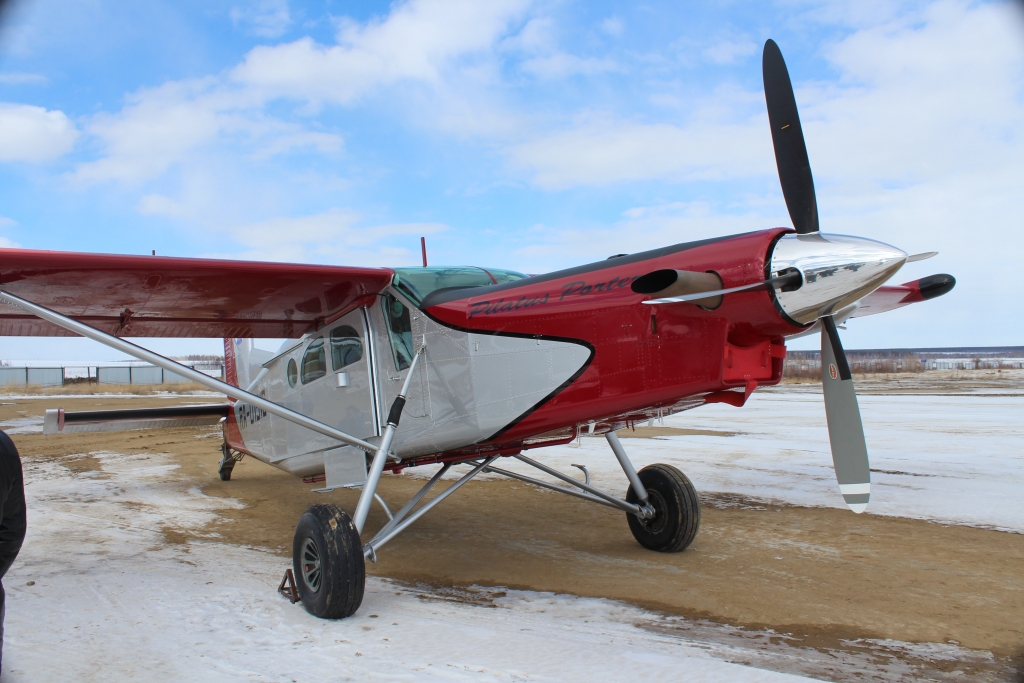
{"x": 677, "y": 510}
{"x": 327, "y": 544}
{"x": 227, "y": 463}
{"x": 225, "y": 471}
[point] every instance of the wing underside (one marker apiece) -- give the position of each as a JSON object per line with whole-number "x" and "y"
{"x": 155, "y": 296}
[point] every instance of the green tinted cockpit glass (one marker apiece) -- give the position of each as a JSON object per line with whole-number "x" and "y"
{"x": 417, "y": 283}
{"x": 396, "y": 314}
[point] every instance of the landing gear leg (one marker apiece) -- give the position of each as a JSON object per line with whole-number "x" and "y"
{"x": 227, "y": 463}
{"x": 675, "y": 503}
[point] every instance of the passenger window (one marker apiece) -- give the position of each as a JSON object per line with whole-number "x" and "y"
{"x": 293, "y": 372}
{"x": 346, "y": 346}
{"x": 314, "y": 361}
{"x": 400, "y": 328}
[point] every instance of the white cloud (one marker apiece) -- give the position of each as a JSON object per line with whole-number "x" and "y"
{"x": 176, "y": 122}
{"x": 265, "y": 18}
{"x": 605, "y": 152}
{"x": 912, "y": 107}
{"x": 563, "y": 65}
{"x": 416, "y": 42}
{"x": 613, "y": 26}
{"x": 6, "y": 243}
{"x": 730, "y": 51}
{"x": 300, "y": 230}
{"x": 159, "y": 205}
{"x": 156, "y": 128}
{"x": 537, "y": 44}
{"x": 14, "y": 78}
{"x": 536, "y": 37}
{"x": 34, "y": 134}
{"x": 332, "y": 236}
{"x": 906, "y": 109}
{"x": 169, "y": 124}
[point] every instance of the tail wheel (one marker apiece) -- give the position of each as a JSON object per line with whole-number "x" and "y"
{"x": 328, "y": 563}
{"x": 676, "y": 510}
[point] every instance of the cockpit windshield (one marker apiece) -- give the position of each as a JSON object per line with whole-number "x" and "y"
{"x": 417, "y": 283}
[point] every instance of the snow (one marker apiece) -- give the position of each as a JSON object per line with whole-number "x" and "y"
{"x": 22, "y": 425}
{"x": 112, "y": 601}
{"x": 950, "y": 459}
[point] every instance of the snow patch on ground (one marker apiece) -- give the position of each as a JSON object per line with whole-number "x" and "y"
{"x": 22, "y": 425}
{"x": 111, "y": 600}
{"x": 950, "y": 459}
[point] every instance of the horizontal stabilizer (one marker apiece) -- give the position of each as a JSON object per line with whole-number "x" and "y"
{"x": 57, "y": 421}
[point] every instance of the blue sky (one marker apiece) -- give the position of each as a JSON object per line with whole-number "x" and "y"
{"x": 517, "y": 134}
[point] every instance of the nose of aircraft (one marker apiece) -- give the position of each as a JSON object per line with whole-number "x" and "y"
{"x": 836, "y": 270}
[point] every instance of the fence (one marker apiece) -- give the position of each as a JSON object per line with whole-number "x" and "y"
{"x": 102, "y": 374}
{"x": 47, "y": 377}
{"x": 807, "y": 364}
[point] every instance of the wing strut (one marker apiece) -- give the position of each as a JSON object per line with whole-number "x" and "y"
{"x": 179, "y": 369}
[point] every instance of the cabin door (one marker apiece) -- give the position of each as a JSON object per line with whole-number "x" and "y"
{"x": 331, "y": 377}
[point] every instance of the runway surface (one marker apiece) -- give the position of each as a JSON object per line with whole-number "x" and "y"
{"x": 144, "y": 565}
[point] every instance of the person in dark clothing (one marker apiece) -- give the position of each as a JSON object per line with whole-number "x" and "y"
{"x": 12, "y": 517}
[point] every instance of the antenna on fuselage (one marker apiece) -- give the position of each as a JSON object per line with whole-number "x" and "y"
{"x": 423, "y": 248}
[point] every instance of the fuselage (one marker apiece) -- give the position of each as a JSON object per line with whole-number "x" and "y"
{"x": 529, "y": 362}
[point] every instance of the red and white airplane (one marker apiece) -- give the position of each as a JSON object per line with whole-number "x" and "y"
{"x": 390, "y": 368}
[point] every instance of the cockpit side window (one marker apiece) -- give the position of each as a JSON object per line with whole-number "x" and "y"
{"x": 346, "y": 346}
{"x": 400, "y": 330}
{"x": 417, "y": 283}
{"x": 314, "y": 361}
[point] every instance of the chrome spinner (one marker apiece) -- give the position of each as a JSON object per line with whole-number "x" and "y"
{"x": 837, "y": 270}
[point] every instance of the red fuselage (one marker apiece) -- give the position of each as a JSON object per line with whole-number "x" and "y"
{"x": 643, "y": 356}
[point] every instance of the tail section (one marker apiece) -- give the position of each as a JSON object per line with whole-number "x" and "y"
{"x": 243, "y": 362}
{"x": 231, "y": 362}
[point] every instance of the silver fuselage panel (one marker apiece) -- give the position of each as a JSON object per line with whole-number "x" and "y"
{"x": 468, "y": 388}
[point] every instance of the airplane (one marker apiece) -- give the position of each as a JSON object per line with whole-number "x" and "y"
{"x": 391, "y": 368}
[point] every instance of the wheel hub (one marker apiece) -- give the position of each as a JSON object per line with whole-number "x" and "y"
{"x": 310, "y": 565}
{"x": 655, "y": 520}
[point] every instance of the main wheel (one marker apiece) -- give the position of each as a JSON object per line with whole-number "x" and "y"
{"x": 676, "y": 510}
{"x": 327, "y": 559}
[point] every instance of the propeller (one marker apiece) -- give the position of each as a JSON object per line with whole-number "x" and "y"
{"x": 845, "y": 430}
{"x": 788, "y": 138}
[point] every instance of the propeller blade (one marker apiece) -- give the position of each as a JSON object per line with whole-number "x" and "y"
{"x": 845, "y": 431}
{"x": 922, "y": 257}
{"x": 788, "y": 138}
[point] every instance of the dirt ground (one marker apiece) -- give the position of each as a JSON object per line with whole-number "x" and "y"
{"x": 823, "y": 576}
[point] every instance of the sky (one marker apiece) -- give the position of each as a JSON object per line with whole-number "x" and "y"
{"x": 530, "y": 135}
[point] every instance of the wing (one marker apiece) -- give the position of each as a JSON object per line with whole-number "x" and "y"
{"x": 159, "y": 296}
{"x": 886, "y": 299}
